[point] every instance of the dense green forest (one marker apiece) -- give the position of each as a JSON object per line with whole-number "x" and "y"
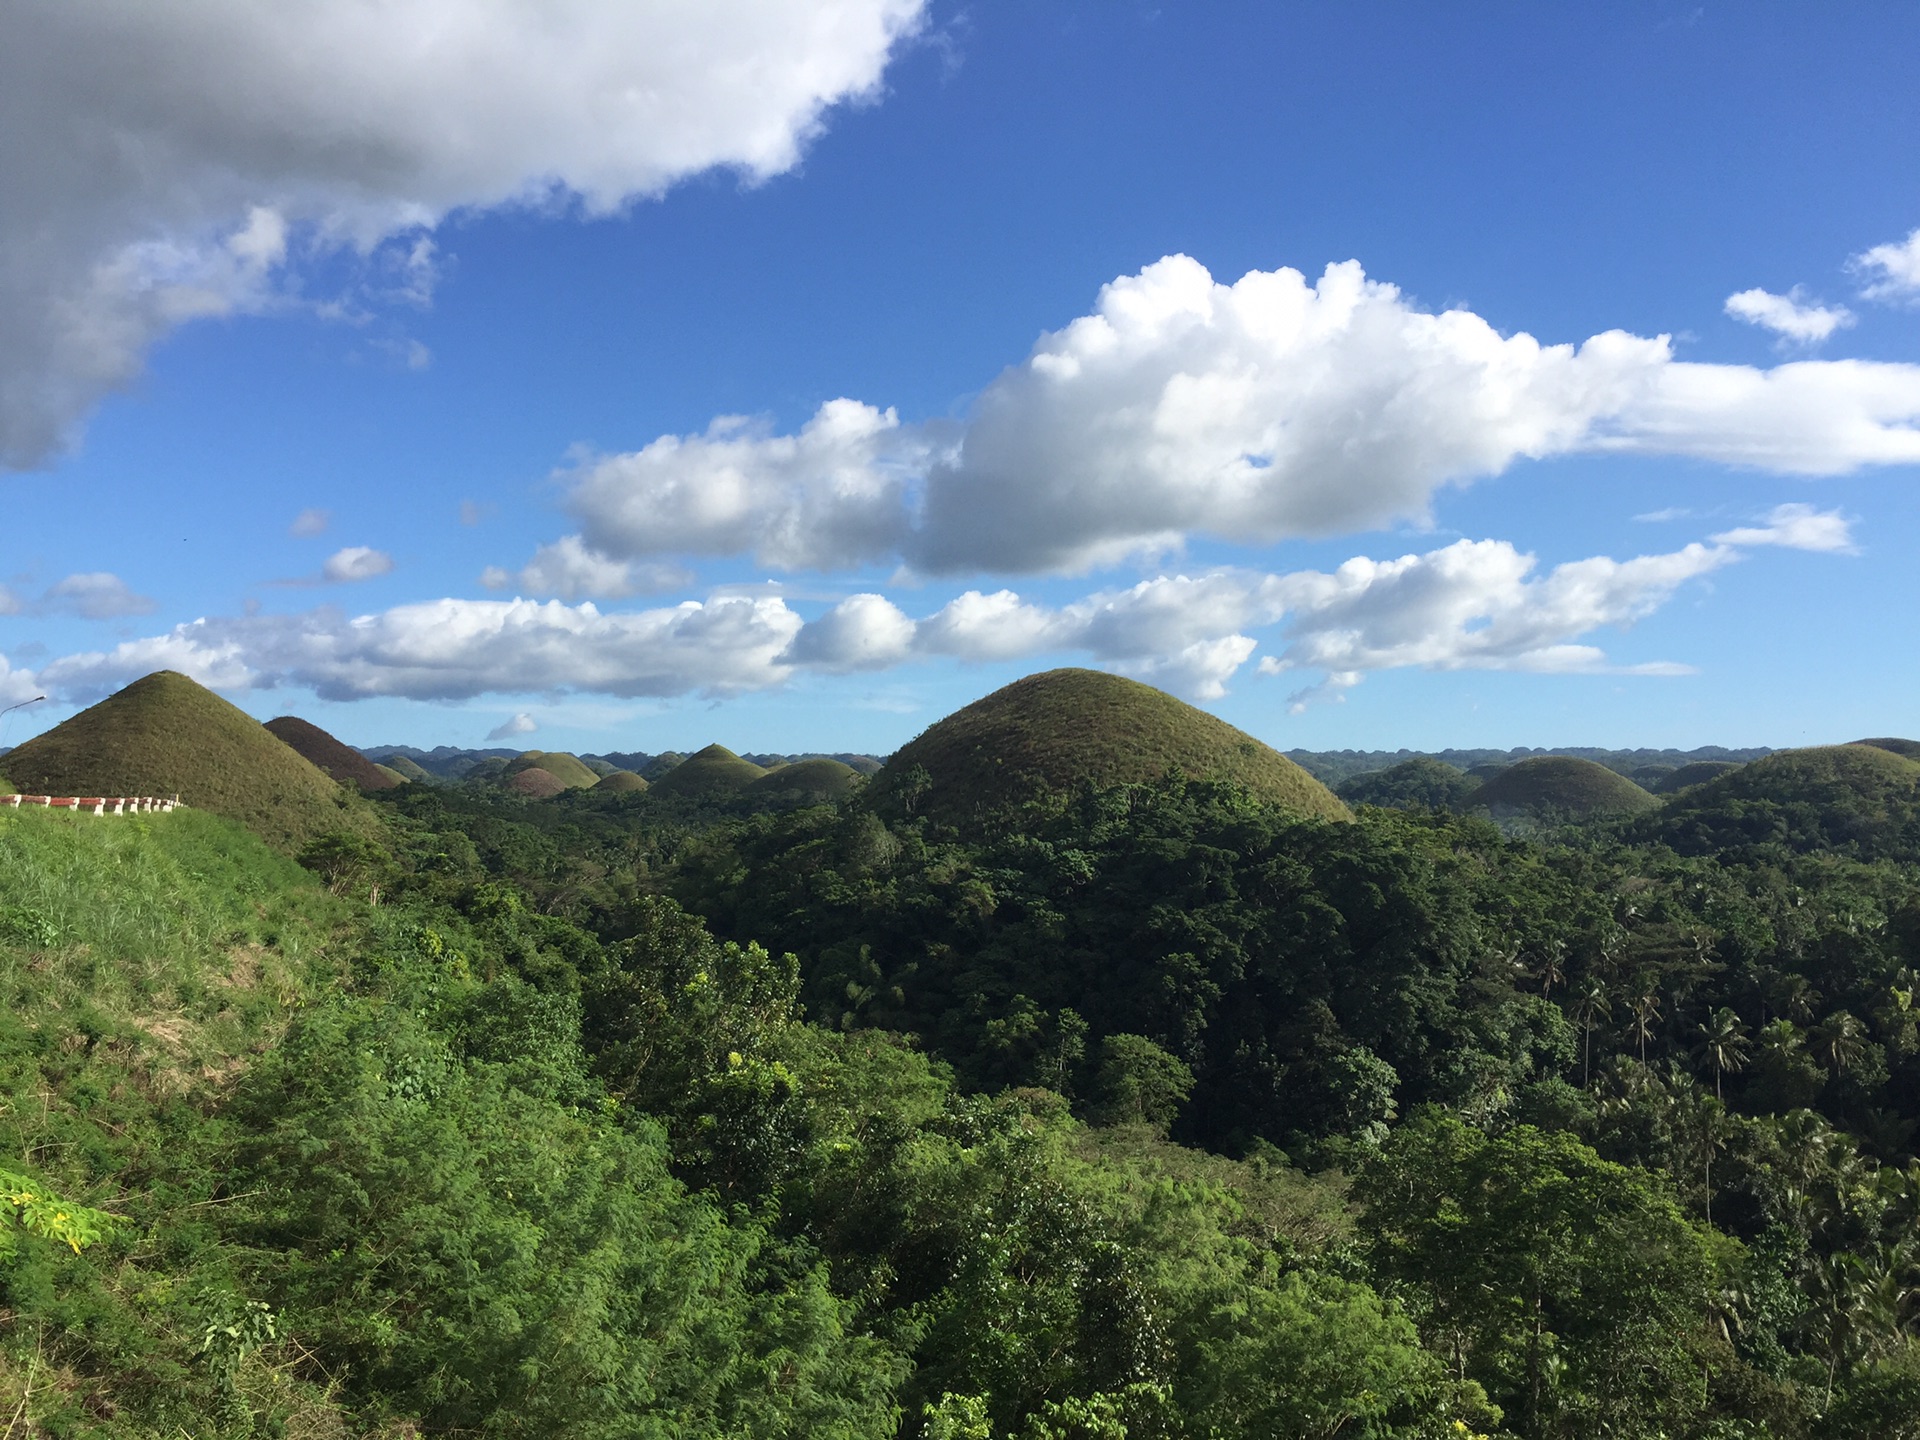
{"x": 1145, "y": 1111}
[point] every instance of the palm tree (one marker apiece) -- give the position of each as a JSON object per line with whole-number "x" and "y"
{"x": 1840, "y": 1040}
{"x": 1551, "y": 969}
{"x": 1590, "y": 1006}
{"x": 1646, "y": 1015}
{"x": 1723, "y": 1044}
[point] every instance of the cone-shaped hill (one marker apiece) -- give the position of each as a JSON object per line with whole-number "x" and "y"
{"x": 1860, "y": 799}
{"x": 166, "y": 735}
{"x": 715, "y": 773}
{"x": 409, "y": 770}
{"x": 620, "y": 782}
{"x": 804, "y": 782}
{"x": 569, "y": 770}
{"x": 1561, "y": 787}
{"x": 343, "y": 763}
{"x": 1049, "y": 732}
{"x": 1695, "y": 772}
{"x": 536, "y": 783}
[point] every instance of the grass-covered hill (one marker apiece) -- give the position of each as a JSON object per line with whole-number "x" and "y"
{"x": 342, "y": 763}
{"x": 536, "y": 783}
{"x": 1908, "y": 748}
{"x": 569, "y": 770}
{"x": 410, "y": 770}
{"x": 1561, "y": 787}
{"x": 1417, "y": 784}
{"x": 620, "y": 782}
{"x": 715, "y": 773}
{"x": 166, "y": 735}
{"x": 1696, "y": 773}
{"x": 1050, "y": 733}
{"x": 1856, "y": 799}
{"x": 805, "y": 782}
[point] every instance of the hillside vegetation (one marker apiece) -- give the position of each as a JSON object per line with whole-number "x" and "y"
{"x": 166, "y": 735}
{"x": 1696, "y": 773}
{"x": 1054, "y": 732}
{"x": 804, "y": 782}
{"x": 1418, "y": 784}
{"x": 620, "y": 782}
{"x": 1561, "y": 787}
{"x": 342, "y": 763}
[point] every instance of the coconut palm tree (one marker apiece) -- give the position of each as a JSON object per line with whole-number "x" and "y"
{"x": 1840, "y": 1040}
{"x": 1646, "y": 1017}
{"x": 1590, "y": 1006}
{"x": 1723, "y": 1044}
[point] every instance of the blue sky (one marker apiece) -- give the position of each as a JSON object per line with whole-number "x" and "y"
{"x": 374, "y": 366}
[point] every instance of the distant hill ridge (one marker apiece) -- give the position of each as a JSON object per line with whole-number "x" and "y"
{"x": 1333, "y": 767}
{"x": 452, "y": 762}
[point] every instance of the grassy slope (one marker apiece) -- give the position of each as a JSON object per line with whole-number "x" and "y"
{"x": 410, "y": 770}
{"x": 569, "y": 770}
{"x": 1559, "y": 785}
{"x": 536, "y": 783}
{"x": 621, "y": 782}
{"x": 805, "y": 782}
{"x": 1697, "y": 773}
{"x": 1049, "y": 732}
{"x": 713, "y": 773}
{"x": 142, "y": 964}
{"x": 343, "y": 764}
{"x": 164, "y": 735}
{"x": 1908, "y": 748}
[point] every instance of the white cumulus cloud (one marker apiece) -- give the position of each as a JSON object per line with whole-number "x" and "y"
{"x": 572, "y": 571}
{"x": 1797, "y": 527}
{"x": 1789, "y": 316}
{"x": 459, "y": 649}
{"x": 167, "y": 161}
{"x": 832, "y": 495}
{"x": 1892, "y": 271}
{"x": 521, "y": 724}
{"x": 1252, "y": 412}
{"x": 355, "y": 563}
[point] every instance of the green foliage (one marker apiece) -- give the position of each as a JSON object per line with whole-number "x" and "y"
{"x": 1054, "y": 732}
{"x": 38, "y": 1211}
{"x": 1573, "y": 1289}
{"x": 620, "y": 782}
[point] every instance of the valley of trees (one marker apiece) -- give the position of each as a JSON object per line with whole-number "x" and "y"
{"x": 1141, "y": 1110}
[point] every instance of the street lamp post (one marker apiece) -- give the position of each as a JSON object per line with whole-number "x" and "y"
{"x": 11, "y": 708}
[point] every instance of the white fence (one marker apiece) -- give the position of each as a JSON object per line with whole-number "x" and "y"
{"x": 95, "y": 804}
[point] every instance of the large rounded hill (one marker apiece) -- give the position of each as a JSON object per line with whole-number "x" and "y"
{"x": 1561, "y": 787}
{"x": 712, "y": 774}
{"x": 166, "y": 735}
{"x": 1050, "y": 732}
{"x": 343, "y": 764}
{"x": 1862, "y": 799}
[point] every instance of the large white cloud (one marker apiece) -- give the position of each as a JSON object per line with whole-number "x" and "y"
{"x": 458, "y": 649}
{"x": 832, "y": 495}
{"x": 1250, "y": 412}
{"x": 161, "y": 161}
{"x": 1474, "y": 604}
